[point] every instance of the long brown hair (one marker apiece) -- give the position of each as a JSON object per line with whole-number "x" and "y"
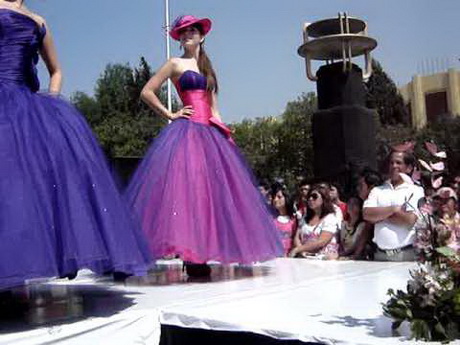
{"x": 205, "y": 66}
{"x": 326, "y": 208}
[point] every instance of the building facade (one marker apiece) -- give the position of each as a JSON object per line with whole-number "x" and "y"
{"x": 429, "y": 97}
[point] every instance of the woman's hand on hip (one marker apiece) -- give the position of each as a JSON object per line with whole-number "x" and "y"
{"x": 185, "y": 112}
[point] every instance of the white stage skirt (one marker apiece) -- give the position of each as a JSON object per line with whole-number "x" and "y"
{"x": 329, "y": 302}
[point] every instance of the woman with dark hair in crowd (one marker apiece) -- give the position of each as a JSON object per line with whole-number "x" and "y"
{"x": 317, "y": 233}
{"x": 337, "y": 210}
{"x": 448, "y": 215}
{"x": 368, "y": 179}
{"x": 352, "y": 228}
{"x": 264, "y": 189}
{"x": 335, "y": 192}
{"x": 285, "y": 221}
{"x": 364, "y": 248}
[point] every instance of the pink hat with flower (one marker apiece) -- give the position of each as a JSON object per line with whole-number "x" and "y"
{"x": 188, "y": 20}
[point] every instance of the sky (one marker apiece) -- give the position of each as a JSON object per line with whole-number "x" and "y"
{"x": 253, "y": 43}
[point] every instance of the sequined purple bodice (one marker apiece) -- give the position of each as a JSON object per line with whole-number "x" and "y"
{"x": 20, "y": 39}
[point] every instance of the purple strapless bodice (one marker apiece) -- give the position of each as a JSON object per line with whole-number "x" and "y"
{"x": 191, "y": 87}
{"x": 20, "y": 40}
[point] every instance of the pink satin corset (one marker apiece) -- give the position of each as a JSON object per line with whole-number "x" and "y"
{"x": 191, "y": 87}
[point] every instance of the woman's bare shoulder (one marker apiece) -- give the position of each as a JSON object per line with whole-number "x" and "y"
{"x": 39, "y": 19}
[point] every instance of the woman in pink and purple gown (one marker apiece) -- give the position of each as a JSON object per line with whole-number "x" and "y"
{"x": 59, "y": 208}
{"x": 194, "y": 193}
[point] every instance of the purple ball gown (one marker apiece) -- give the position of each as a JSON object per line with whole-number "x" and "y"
{"x": 195, "y": 194}
{"x": 59, "y": 208}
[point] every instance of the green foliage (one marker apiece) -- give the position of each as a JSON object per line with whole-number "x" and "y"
{"x": 280, "y": 147}
{"x": 89, "y": 106}
{"x": 449, "y": 253}
{"x": 123, "y": 124}
{"x": 438, "y": 321}
{"x": 258, "y": 140}
{"x": 383, "y": 96}
{"x": 445, "y": 133}
{"x": 295, "y": 151}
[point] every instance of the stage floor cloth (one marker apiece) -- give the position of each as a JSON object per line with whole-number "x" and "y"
{"x": 328, "y": 302}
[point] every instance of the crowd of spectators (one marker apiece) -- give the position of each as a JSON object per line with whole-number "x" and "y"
{"x": 377, "y": 222}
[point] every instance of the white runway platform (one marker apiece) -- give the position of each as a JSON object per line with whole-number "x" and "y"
{"x": 313, "y": 301}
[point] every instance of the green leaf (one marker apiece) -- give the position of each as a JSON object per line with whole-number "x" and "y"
{"x": 409, "y": 314}
{"x": 420, "y": 330}
{"x": 439, "y": 329}
{"x": 448, "y": 252}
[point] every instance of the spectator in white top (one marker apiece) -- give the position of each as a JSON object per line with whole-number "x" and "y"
{"x": 393, "y": 208}
{"x": 317, "y": 232}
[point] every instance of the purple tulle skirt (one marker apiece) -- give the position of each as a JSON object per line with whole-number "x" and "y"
{"x": 59, "y": 208}
{"x": 196, "y": 197}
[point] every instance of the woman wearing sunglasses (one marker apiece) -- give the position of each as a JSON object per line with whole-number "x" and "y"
{"x": 317, "y": 232}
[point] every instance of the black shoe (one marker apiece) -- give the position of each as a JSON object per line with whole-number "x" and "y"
{"x": 197, "y": 270}
{"x": 120, "y": 276}
{"x": 70, "y": 275}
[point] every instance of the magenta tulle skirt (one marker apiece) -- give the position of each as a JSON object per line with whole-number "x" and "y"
{"x": 196, "y": 197}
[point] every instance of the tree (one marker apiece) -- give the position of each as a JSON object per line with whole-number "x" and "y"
{"x": 258, "y": 141}
{"x": 446, "y": 134}
{"x": 88, "y": 106}
{"x": 383, "y": 95}
{"x": 295, "y": 151}
{"x": 123, "y": 124}
{"x": 280, "y": 147}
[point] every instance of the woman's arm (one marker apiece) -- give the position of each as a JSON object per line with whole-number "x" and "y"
{"x": 148, "y": 93}
{"x": 296, "y": 238}
{"x": 363, "y": 239}
{"x": 359, "y": 242}
{"x": 314, "y": 246}
{"x": 214, "y": 108}
{"x": 49, "y": 56}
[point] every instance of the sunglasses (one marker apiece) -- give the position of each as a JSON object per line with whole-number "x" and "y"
{"x": 314, "y": 196}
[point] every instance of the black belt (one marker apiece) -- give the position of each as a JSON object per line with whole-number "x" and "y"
{"x": 391, "y": 252}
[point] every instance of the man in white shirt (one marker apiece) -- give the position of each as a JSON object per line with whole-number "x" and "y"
{"x": 393, "y": 207}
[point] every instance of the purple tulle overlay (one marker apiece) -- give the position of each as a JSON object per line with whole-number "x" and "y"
{"x": 196, "y": 197}
{"x": 59, "y": 208}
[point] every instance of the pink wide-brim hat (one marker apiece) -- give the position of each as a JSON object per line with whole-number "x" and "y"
{"x": 188, "y": 20}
